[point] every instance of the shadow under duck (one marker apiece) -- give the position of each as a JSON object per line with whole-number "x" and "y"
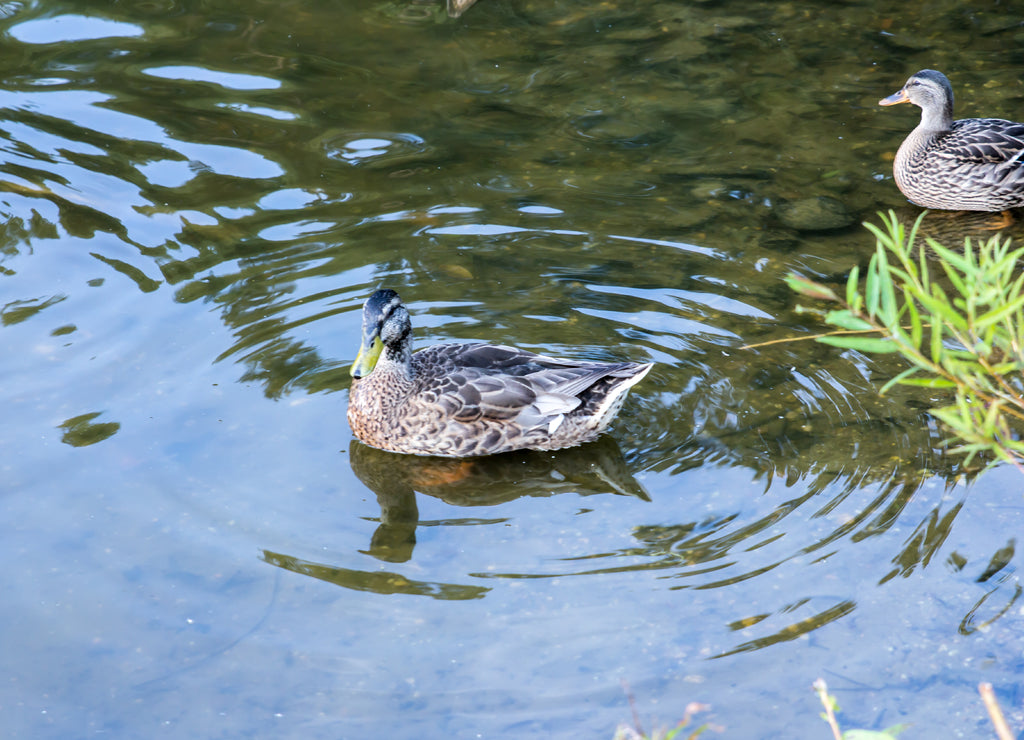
{"x": 463, "y": 400}
{"x": 974, "y": 164}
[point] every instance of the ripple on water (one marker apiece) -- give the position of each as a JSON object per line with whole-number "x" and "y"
{"x": 68, "y": 28}
{"x": 376, "y": 150}
{"x": 229, "y": 80}
{"x": 184, "y": 255}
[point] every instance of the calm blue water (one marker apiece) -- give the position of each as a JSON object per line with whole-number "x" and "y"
{"x": 196, "y": 200}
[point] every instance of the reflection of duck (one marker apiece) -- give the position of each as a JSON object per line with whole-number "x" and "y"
{"x": 974, "y": 164}
{"x": 458, "y": 7}
{"x": 462, "y": 400}
{"x": 598, "y": 467}
{"x": 950, "y": 228}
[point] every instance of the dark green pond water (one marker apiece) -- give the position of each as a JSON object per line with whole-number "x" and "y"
{"x": 197, "y": 197}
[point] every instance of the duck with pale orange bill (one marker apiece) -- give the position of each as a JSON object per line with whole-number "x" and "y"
{"x": 971, "y": 164}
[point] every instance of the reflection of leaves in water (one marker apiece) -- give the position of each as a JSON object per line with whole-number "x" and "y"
{"x": 146, "y": 284}
{"x": 999, "y": 568}
{"x": 925, "y": 542}
{"x": 999, "y": 561}
{"x": 79, "y": 431}
{"x": 712, "y": 552}
{"x": 279, "y": 365}
{"x": 375, "y": 581}
{"x": 17, "y": 311}
{"x": 970, "y": 624}
{"x": 802, "y": 414}
{"x": 795, "y": 630}
{"x": 14, "y": 231}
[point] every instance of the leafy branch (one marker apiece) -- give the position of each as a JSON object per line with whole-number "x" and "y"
{"x": 956, "y": 317}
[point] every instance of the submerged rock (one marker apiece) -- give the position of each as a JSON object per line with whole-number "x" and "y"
{"x": 814, "y": 214}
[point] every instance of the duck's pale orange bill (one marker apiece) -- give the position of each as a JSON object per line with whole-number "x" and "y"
{"x": 896, "y": 97}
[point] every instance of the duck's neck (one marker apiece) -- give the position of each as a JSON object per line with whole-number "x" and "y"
{"x": 385, "y": 389}
{"x": 395, "y": 366}
{"x": 399, "y": 358}
{"x": 936, "y": 119}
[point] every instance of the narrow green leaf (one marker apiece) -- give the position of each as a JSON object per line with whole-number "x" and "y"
{"x": 901, "y": 379}
{"x": 956, "y": 278}
{"x": 936, "y": 340}
{"x": 845, "y": 319}
{"x": 807, "y": 287}
{"x": 951, "y": 258}
{"x": 871, "y": 287}
{"x": 852, "y": 284}
{"x": 928, "y": 382}
{"x": 923, "y": 271}
{"x": 1008, "y": 367}
{"x": 885, "y": 286}
{"x": 916, "y": 327}
{"x": 875, "y": 231}
{"x": 912, "y": 236}
{"x": 938, "y": 305}
{"x": 999, "y": 313}
{"x": 869, "y": 345}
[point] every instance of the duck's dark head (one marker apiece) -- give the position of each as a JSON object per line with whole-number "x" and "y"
{"x": 386, "y": 326}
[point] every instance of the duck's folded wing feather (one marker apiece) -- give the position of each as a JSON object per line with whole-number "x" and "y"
{"x": 498, "y": 358}
{"x": 984, "y": 141}
{"x": 470, "y": 395}
{"x": 504, "y": 384}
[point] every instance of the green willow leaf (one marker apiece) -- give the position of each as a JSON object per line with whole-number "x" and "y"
{"x": 845, "y": 319}
{"x": 901, "y": 379}
{"x": 807, "y": 287}
{"x": 1000, "y": 313}
{"x": 852, "y": 284}
{"x": 886, "y": 289}
{"x": 939, "y": 307}
{"x": 956, "y": 316}
{"x": 914, "y": 316}
{"x": 952, "y": 259}
{"x": 928, "y": 382}
{"x": 868, "y": 345}
{"x": 871, "y": 288}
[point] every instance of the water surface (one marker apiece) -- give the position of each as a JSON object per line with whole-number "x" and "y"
{"x": 197, "y": 200}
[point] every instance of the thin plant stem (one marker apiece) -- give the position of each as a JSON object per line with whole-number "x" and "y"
{"x": 988, "y": 696}
{"x": 830, "y": 716}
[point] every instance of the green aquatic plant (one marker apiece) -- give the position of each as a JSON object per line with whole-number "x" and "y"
{"x": 956, "y": 317}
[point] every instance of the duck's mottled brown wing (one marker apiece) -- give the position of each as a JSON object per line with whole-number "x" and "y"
{"x": 471, "y": 395}
{"x": 494, "y": 382}
{"x": 994, "y": 146}
{"x": 494, "y": 358}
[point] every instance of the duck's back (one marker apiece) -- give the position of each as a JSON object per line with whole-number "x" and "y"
{"x": 478, "y": 399}
{"x": 977, "y": 165}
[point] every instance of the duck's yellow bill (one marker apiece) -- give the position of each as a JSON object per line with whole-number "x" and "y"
{"x": 367, "y": 358}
